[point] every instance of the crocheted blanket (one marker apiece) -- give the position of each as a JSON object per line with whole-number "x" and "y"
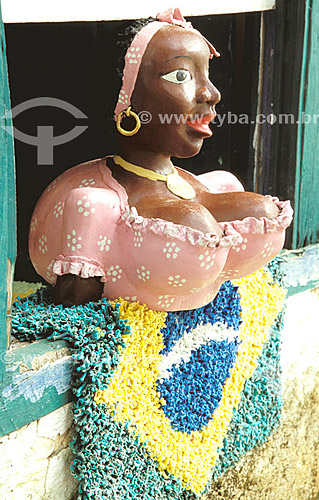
{"x": 166, "y": 402}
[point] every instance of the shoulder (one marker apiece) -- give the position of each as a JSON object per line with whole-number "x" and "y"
{"x": 90, "y": 170}
{"x": 85, "y": 183}
{"x": 220, "y": 181}
{"x": 217, "y": 181}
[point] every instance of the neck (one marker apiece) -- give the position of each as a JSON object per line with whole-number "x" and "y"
{"x": 160, "y": 164}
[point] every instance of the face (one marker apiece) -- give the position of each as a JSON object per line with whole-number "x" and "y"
{"x": 173, "y": 86}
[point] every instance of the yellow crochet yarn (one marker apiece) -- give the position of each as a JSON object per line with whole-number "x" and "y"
{"x": 132, "y": 393}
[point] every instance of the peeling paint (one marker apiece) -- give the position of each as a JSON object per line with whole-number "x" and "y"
{"x": 301, "y": 266}
{"x": 32, "y": 384}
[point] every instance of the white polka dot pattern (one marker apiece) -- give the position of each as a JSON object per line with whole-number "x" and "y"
{"x": 133, "y": 55}
{"x": 268, "y": 250}
{"x": 58, "y": 209}
{"x": 176, "y": 281}
{"x": 53, "y": 184}
{"x": 123, "y": 98}
{"x": 165, "y": 300}
{"x": 84, "y": 206}
{"x": 143, "y": 274}
{"x": 104, "y": 243}
{"x": 49, "y": 277}
{"x": 242, "y": 246}
{"x": 207, "y": 259}
{"x": 138, "y": 238}
{"x": 130, "y": 299}
{"x": 115, "y": 273}
{"x": 229, "y": 274}
{"x": 171, "y": 250}
{"x": 33, "y": 224}
{"x": 87, "y": 183}
{"x": 73, "y": 241}
{"x": 43, "y": 247}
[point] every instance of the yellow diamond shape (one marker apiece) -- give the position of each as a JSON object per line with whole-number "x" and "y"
{"x": 132, "y": 393}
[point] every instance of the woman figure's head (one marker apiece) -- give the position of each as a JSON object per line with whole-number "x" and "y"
{"x": 166, "y": 76}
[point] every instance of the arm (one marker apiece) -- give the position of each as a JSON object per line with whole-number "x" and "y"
{"x": 71, "y": 290}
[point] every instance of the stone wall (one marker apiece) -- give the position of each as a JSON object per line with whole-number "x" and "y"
{"x": 35, "y": 460}
{"x": 286, "y": 467}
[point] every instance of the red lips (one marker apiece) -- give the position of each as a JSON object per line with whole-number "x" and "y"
{"x": 201, "y": 123}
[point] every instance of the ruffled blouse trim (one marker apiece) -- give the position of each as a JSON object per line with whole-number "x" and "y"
{"x": 263, "y": 225}
{"x": 182, "y": 233}
{"x": 80, "y": 266}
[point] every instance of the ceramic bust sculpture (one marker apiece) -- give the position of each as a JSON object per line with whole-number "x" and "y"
{"x": 131, "y": 224}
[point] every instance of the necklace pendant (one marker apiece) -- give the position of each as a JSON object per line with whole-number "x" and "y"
{"x": 177, "y": 185}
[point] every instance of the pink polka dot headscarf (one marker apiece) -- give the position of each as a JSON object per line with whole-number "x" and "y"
{"x": 135, "y": 52}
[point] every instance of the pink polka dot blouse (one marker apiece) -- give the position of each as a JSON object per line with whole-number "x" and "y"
{"x": 83, "y": 225}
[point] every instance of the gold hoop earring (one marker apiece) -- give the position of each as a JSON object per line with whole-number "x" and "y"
{"x": 128, "y": 112}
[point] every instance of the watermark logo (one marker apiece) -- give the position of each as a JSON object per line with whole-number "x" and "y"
{"x": 45, "y": 140}
{"x": 145, "y": 116}
{"x": 233, "y": 119}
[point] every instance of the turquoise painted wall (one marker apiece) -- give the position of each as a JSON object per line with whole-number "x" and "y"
{"x": 7, "y": 193}
{"x": 306, "y": 226}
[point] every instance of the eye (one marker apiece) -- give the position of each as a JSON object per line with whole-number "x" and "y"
{"x": 178, "y": 76}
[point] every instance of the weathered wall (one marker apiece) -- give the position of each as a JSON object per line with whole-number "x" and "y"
{"x": 287, "y": 466}
{"x": 35, "y": 460}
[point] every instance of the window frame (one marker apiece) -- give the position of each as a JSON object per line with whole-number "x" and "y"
{"x": 285, "y": 155}
{"x": 8, "y": 237}
{"x": 19, "y": 11}
{"x": 298, "y": 265}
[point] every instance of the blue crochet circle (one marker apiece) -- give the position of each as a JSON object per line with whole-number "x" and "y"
{"x": 205, "y": 373}
{"x": 194, "y": 389}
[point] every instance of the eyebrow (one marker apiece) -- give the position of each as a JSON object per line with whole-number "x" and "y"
{"x": 178, "y": 57}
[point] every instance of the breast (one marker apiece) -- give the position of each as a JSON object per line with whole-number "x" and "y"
{"x": 165, "y": 265}
{"x": 82, "y": 225}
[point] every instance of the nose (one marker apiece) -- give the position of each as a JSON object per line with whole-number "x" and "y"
{"x": 208, "y": 93}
